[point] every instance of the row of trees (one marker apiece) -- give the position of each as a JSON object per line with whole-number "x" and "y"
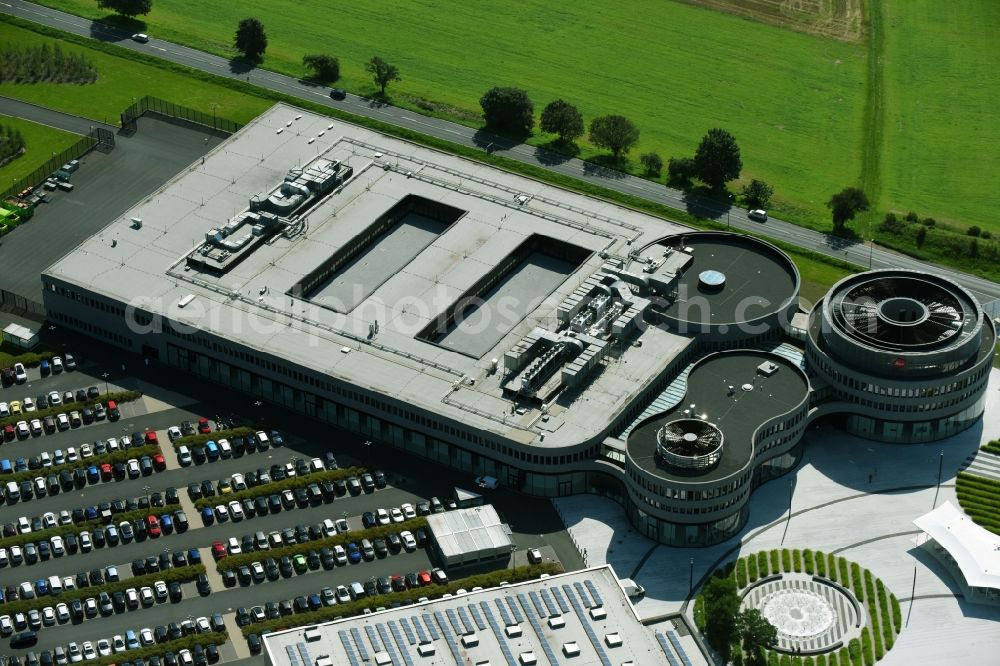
{"x": 42, "y": 63}
{"x": 11, "y": 143}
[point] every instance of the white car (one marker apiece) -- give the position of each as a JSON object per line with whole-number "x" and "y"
{"x": 343, "y": 596}
{"x": 20, "y": 374}
{"x": 239, "y": 482}
{"x": 48, "y": 616}
{"x": 757, "y": 214}
{"x": 112, "y": 444}
{"x": 221, "y": 513}
{"x": 146, "y": 596}
{"x": 36, "y": 427}
{"x": 329, "y": 529}
{"x": 409, "y": 541}
{"x": 132, "y": 597}
{"x": 74, "y": 652}
{"x": 23, "y": 432}
{"x": 408, "y": 511}
{"x": 382, "y": 516}
{"x": 257, "y": 569}
{"x": 160, "y": 589}
{"x": 86, "y": 450}
{"x": 173, "y": 433}
{"x": 184, "y": 456}
{"x": 235, "y": 511}
{"x": 46, "y": 459}
{"x": 203, "y": 626}
{"x": 28, "y": 404}
{"x": 233, "y": 546}
{"x": 339, "y": 554}
{"x": 86, "y": 543}
{"x": 184, "y": 656}
{"x": 397, "y": 515}
{"x": 146, "y": 636}
{"x": 4, "y": 559}
{"x": 71, "y": 454}
{"x": 140, "y": 37}
{"x": 132, "y": 466}
{"x": 118, "y": 643}
{"x": 4, "y": 410}
{"x": 48, "y": 520}
{"x": 57, "y": 365}
{"x": 23, "y": 527}
{"x": 342, "y": 526}
{"x": 103, "y": 647}
{"x": 55, "y": 399}
{"x": 62, "y": 613}
{"x": 6, "y": 626}
{"x": 58, "y": 549}
{"x": 225, "y": 449}
{"x": 88, "y": 651}
{"x": 62, "y": 423}
{"x": 58, "y": 457}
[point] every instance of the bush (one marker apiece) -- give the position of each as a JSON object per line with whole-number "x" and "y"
{"x": 797, "y": 560}
{"x": 187, "y": 642}
{"x": 808, "y": 661}
{"x": 844, "y": 656}
{"x": 821, "y": 659}
{"x": 921, "y": 236}
{"x": 278, "y": 486}
{"x": 832, "y": 659}
{"x": 741, "y": 572}
{"x": 775, "y": 561}
{"x": 866, "y": 647}
{"x": 196, "y": 440}
{"x": 807, "y": 561}
{"x": 762, "y": 564}
{"x": 845, "y": 578}
{"x": 854, "y": 650}
{"x": 911, "y": 217}
{"x": 11, "y": 142}
{"x": 118, "y": 396}
{"x": 897, "y": 615}
{"x": 786, "y": 560}
{"x": 236, "y": 561}
{"x": 699, "y": 612}
{"x": 324, "y": 67}
{"x": 974, "y": 231}
{"x": 111, "y": 458}
{"x": 680, "y": 171}
{"x": 653, "y": 163}
{"x": 786, "y": 660}
{"x": 772, "y": 659}
{"x": 820, "y": 563}
{"x": 986, "y": 235}
{"x": 487, "y": 580}
{"x": 857, "y": 582}
{"x": 928, "y": 221}
{"x": 752, "y": 568}
{"x": 45, "y": 64}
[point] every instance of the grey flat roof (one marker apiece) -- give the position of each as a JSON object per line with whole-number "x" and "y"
{"x": 444, "y": 623}
{"x": 738, "y": 416}
{"x": 146, "y": 267}
{"x": 476, "y": 529}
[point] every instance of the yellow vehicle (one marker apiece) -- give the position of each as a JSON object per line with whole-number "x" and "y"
{"x": 15, "y": 407}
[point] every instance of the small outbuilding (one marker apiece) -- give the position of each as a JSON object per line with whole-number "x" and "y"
{"x": 469, "y": 536}
{"x": 20, "y": 336}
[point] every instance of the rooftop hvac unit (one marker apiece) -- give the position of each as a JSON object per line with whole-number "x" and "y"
{"x": 767, "y": 368}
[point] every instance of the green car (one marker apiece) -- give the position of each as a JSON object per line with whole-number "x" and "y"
{"x": 300, "y": 563}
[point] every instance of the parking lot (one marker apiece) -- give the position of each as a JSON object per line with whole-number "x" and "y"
{"x": 167, "y": 401}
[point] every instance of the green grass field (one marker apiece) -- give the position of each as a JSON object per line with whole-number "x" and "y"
{"x": 793, "y": 101}
{"x": 941, "y": 148}
{"x": 118, "y": 81}
{"x": 40, "y": 143}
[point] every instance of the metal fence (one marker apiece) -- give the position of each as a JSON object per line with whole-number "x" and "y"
{"x": 38, "y": 176}
{"x": 149, "y": 104}
{"x": 21, "y": 305}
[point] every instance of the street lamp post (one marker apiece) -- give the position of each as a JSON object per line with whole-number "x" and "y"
{"x": 105, "y": 376}
{"x": 871, "y": 251}
{"x": 940, "y": 469}
{"x": 691, "y": 577}
{"x": 729, "y": 209}
{"x": 513, "y": 562}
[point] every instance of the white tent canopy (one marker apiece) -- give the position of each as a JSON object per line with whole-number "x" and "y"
{"x": 975, "y": 550}
{"x": 464, "y": 536}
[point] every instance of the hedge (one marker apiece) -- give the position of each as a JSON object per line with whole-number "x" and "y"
{"x": 820, "y": 559}
{"x": 66, "y": 408}
{"x": 762, "y": 564}
{"x": 775, "y": 558}
{"x": 772, "y": 659}
{"x": 857, "y": 582}
{"x": 866, "y": 647}
{"x": 842, "y": 566}
{"x": 487, "y": 580}
{"x": 182, "y": 574}
{"x": 30, "y": 359}
{"x": 807, "y": 561}
{"x": 273, "y": 487}
{"x": 235, "y": 561}
{"x": 797, "y": 560}
{"x": 187, "y": 642}
{"x": 741, "y": 573}
{"x": 786, "y": 560}
{"x": 752, "y": 569}
{"x": 195, "y": 440}
{"x": 699, "y": 612}
{"x": 832, "y": 660}
{"x": 808, "y": 661}
{"x": 786, "y": 660}
{"x": 854, "y": 651}
{"x": 897, "y": 615}
{"x": 120, "y": 455}
{"x": 821, "y": 659}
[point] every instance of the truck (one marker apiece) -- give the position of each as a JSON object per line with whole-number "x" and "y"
{"x": 632, "y": 588}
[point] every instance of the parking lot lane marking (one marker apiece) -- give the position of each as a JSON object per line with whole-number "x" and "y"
{"x": 168, "y": 451}
{"x": 236, "y": 636}
{"x": 212, "y": 571}
{"x": 188, "y": 507}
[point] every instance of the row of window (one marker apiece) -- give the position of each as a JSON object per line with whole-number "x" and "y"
{"x": 96, "y": 331}
{"x": 96, "y": 303}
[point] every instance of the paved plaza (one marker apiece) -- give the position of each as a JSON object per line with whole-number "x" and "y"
{"x": 850, "y": 497}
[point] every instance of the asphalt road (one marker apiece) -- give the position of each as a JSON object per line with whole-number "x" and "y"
{"x": 858, "y": 253}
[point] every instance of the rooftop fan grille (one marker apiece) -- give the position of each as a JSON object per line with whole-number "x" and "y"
{"x": 690, "y": 437}
{"x": 860, "y": 311}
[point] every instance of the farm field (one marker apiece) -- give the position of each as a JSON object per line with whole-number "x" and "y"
{"x": 39, "y": 142}
{"x": 119, "y": 80}
{"x": 942, "y": 105}
{"x": 793, "y": 101}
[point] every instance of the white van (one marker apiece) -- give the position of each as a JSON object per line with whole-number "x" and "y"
{"x": 357, "y": 591}
{"x": 55, "y": 585}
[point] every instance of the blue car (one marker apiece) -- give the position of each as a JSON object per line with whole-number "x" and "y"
{"x": 93, "y": 475}
{"x": 131, "y": 640}
{"x": 6, "y": 467}
{"x": 208, "y": 515}
{"x": 194, "y": 557}
{"x": 90, "y": 513}
{"x": 45, "y": 367}
{"x": 166, "y": 523}
{"x": 212, "y": 450}
{"x": 353, "y": 553}
{"x": 20, "y": 465}
{"x": 277, "y": 439}
{"x": 315, "y": 602}
{"x": 41, "y": 587}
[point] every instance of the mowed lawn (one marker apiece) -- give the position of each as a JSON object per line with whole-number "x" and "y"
{"x": 941, "y": 152}
{"x": 119, "y": 80}
{"x": 40, "y": 142}
{"x": 793, "y": 101}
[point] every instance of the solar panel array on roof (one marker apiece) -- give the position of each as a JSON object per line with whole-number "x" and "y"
{"x": 593, "y": 592}
{"x": 498, "y": 632}
{"x": 431, "y": 627}
{"x": 561, "y": 599}
{"x": 535, "y": 599}
{"x": 419, "y": 627}
{"x": 293, "y": 657}
{"x": 585, "y": 621}
{"x": 478, "y": 617}
{"x": 584, "y": 598}
{"x": 407, "y": 630}
{"x": 404, "y": 652}
{"x": 667, "y": 650}
{"x": 515, "y": 609}
{"x": 455, "y": 652}
{"x": 373, "y": 637}
{"x": 453, "y": 618}
{"x": 464, "y": 614}
{"x": 360, "y": 643}
{"x": 389, "y": 647}
{"x": 544, "y": 642}
{"x": 502, "y": 606}
{"x": 348, "y": 648}
{"x": 676, "y": 642}
{"x": 304, "y": 651}
{"x": 549, "y": 604}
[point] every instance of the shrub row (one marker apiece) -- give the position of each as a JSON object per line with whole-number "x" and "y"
{"x": 185, "y": 643}
{"x": 772, "y": 659}
{"x": 876, "y": 623}
{"x": 118, "y": 396}
{"x": 28, "y": 359}
{"x": 197, "y": 440}
{"x": 820, "y": 558}
{"x": 181, "y": 574}
{"x": 821, "y": 659}
{"x": 762, "y": 564}
{"x": 487, "y": 580}
{"x": 807, "y": 561}
{"x": 785, "y": 660}
{"x": 897, "y": 615}
{"x": 741, "y": 573}
{"x": 992, "y": 447}
{"x": 981, "y": 481}
{"x": 786, "y": 560}
{"x": 290, "y": 483}
{"x": 752, "y": 569}
{"x": 111, "y": 458}
{"x": 857, "y": 584}
{"x": 866, "y": 647}
{"x": 236, "y": 561}
{"x": 797, "y": 560}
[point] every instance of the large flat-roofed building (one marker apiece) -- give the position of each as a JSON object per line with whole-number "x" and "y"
{"x": 476, "y": 318}
{"x": 580, "y": 617}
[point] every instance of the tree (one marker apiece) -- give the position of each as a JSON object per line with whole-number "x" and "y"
{"x": 717, "y": 160}
{"x": 974, "y": 231}
{"x": 324, "y": 67}
{"x": 382, "y": 72}
{"x": 652, "y": 162}
{"x": 508, "y": 110}
{"x": 129, "y": 8}
{"x": 754, "y": 632}
{"x": 845, "y": 205}
{"x": 251, "y": 40}
{"x": 921, "y": 236}
{"x": 562, "y": 118}
{"x": 722, "y": 605}
{"x": 757, "y": 193}
{"x": 680, "y": 171}
{"x": 616, "y": 133}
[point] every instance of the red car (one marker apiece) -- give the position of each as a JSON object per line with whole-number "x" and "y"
{"x": 8, "y": 433}
{"x": 153, "y": 526}
{"x": 203, "y": 426}
{"x": 424, "y": 577}
{"x": 151, "y": 437}
{"x": 218, "y": 550}
{"x": 159, "y": 464}
{"x": 106, "y": 471}
{"x": 398, "y": 584}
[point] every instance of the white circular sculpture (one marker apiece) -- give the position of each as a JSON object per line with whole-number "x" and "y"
{"x": 798, "y": 613}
